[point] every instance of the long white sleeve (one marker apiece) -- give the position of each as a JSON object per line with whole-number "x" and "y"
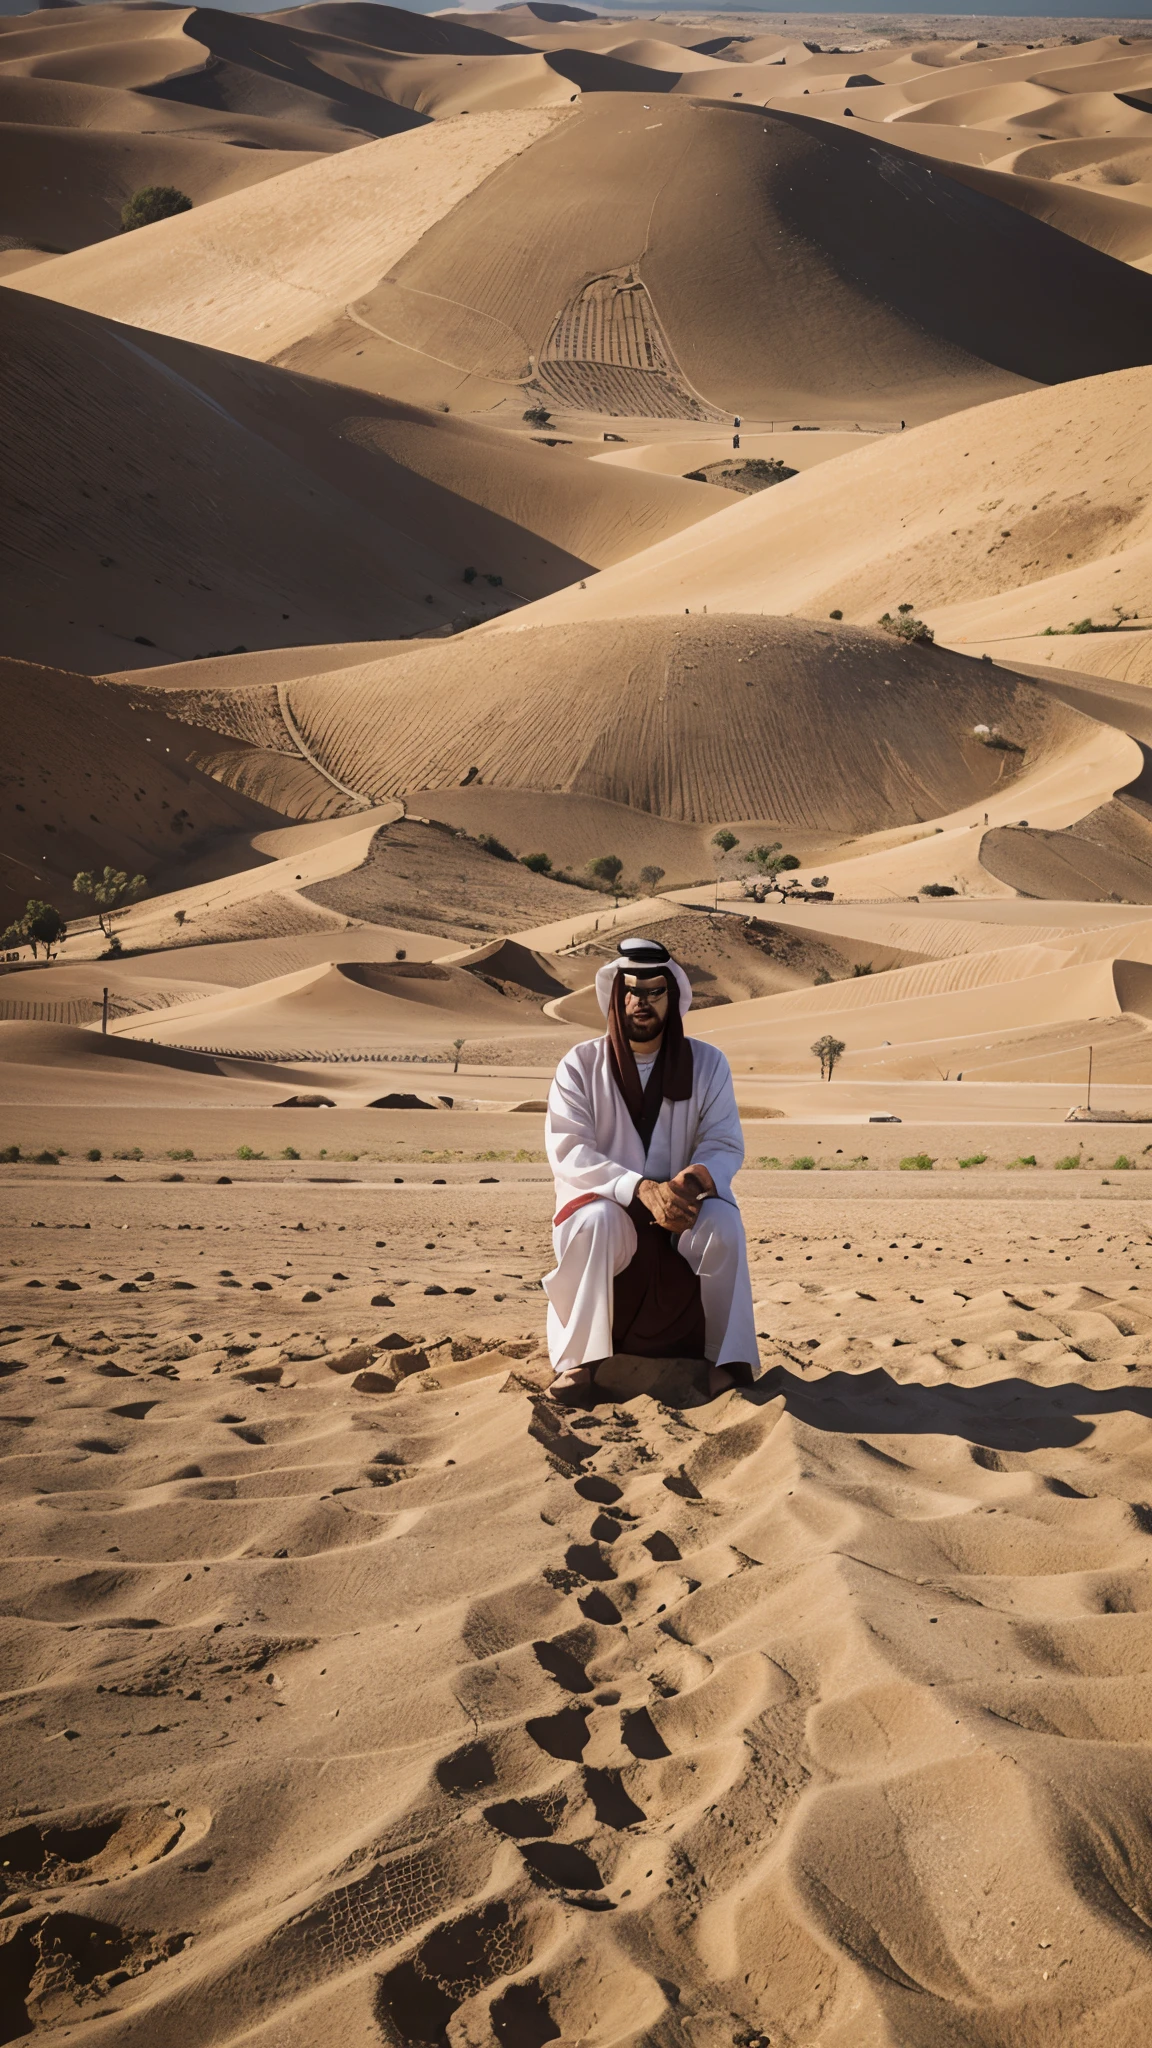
{"x": 574, "y": 1150}
{"x": 719, "y": 1139}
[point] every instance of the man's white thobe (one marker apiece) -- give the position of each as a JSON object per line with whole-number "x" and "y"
{"x": 595, "y": 1149}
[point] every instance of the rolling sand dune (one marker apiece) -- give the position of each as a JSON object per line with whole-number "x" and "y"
{"x": 484, "y": 707}
{"x": 89, "y": 781}
{"x": 322, "y": 533}
{"x": 355, "y": 1006}
{"x": 973, "y": 519}
{"x": 676, "y": 319}
{"x": 285, "y": 270}
{"x": 470, "y": 273}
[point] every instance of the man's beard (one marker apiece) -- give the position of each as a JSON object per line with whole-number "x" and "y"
{"x": 640, "y": 1032}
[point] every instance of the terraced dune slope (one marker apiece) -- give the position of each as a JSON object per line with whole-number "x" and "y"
{"x": 1000, "y": 521}
{"x": 735, "y": 261}
{"x": 722, "y": 718}
{"x": 704, "y": 261}
{"x": 341, "y": 518}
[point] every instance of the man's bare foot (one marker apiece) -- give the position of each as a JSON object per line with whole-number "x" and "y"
{"x": 719, "y": 1380}
{"x": 572, "y": 1387}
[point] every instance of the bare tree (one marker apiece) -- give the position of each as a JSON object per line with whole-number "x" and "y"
{"x": 828, "y": 1050}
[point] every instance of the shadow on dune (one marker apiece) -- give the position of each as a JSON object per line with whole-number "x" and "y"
{"x": 1002, "y": 1415}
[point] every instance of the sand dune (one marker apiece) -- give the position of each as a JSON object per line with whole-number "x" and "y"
{"x": 63, "y": 189}
{"x": 353, "y": 1006}
{"x": 483, "y": 708}
{"x": 286, "y": 271}
{"x": 974, "y": 520}
{"x": 676, "y": 317}
{"x": 89, "y": 781}
{"x": 332, "y": 527}
{"x": 470, "y": 272}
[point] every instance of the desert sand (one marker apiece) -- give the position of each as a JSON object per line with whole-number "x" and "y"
{"x": 550, "y": 439}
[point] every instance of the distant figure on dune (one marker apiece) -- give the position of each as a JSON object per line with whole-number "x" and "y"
{"x": 644, "y": 1137}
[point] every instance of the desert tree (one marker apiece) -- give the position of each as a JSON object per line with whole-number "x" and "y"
{"x": 607, "y": 868}
{"x": 828, "y": 1050}
{"x": 650, "y": 879}
{"x": 39, "y": 924}
{"x": 725, "y": 843}
{"x": 111, "y": 893}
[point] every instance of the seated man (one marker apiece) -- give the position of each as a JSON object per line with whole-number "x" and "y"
{"x": 643, "y": 1136}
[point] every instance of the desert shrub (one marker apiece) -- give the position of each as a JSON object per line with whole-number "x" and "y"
{"x": 152, "y": 203}
{"x": 835, "y": 615}
{"x": 133, "y": 1152}
{"x": 246, "y": 1152}
{"x": 1123, "y": 1164}
{"x": 470, "y": 575}
{"x": 495, "y": 581}
{"x": 936, "y": 889}
{"x": 289, "y": 1152}
{"x": 917, "y": 1162}
{"x": 906, "y": 626}
{"x": 9, "y": 1154}
{"x": 95, "y": 1155}
{"x": 991, "y": 736}
{"x": 821, "y": 977}
{"x": 47, "y": 1158}
{"x": 494, "y": 846}
{"x": 1090, "y": 625}
{"x": 766, "y": 1162}
{"x": 1068, "y": 1164}
{"x": 977, "y": 1159}
{"x": 651, "y": 878}
{"x": 540, "y": 863}
{"x": 538, "y": 416}
{"x": 724, "y": 840}
{"x": 862, "y": 967}
{"x": 607, "y": 868}
{"x": 802, "y": 1165}
{"x": 184, "y": 1152}
{"x": 1027, "y": 1159}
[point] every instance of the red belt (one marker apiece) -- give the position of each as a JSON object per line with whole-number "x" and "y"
{"x": 577, "y": 1202}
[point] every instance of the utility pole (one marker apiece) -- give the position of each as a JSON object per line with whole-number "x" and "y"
{"x": 104, "y": 1015}
{"x": 1088, "y": 1104}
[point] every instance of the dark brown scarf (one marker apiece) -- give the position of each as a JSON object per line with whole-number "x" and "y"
{"x": 671, "y": 1077}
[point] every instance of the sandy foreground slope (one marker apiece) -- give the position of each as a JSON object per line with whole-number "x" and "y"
{"x": 651, "y": 1755}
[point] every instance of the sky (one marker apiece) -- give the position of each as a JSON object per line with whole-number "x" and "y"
{"x": 947, "y": 24}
